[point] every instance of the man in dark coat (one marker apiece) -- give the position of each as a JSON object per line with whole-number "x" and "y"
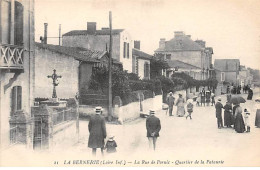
{"x": 202, "y": 96}
{"x": 97, "y": 131}
{"x": 153, "y": 127}
{"x": 219, "y": 107}
{"x": 250, "y": 94}
{"x": 170, "y": 101}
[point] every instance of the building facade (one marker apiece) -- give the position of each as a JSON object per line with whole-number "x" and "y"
{"x": 184, "y": 49}
{"x": 141, "y": 62}
{"x": 245, "y": 78}
{"x": 99, "y": 40}
{"x": 227, "y": 70}
{"x": 16, "y": 66}
{"x": 74, "y": 64}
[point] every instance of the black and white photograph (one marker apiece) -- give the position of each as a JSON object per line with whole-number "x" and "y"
{"x": 121, "y": 83}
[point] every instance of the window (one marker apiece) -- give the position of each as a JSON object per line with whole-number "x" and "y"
{"x": 146, "y": 70}
{"x": 127, "y": 50}
{"x": 16, "y": 99}
{"x": 222, "y": 76}
{"x": 18, "y": 24}
{"x": 168, "y": 56}
{"x": 124, "y": 50}
{"x": 6, "y": 22}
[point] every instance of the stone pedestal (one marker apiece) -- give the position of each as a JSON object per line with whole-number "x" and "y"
{"x": 54, "y": 102}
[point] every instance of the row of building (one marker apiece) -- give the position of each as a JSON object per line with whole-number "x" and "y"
{"x": 25, "y": 64}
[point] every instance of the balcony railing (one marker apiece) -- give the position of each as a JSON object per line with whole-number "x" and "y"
{"x": 11, "y": 56}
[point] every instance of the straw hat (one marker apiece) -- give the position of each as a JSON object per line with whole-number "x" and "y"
{"x": 219, "y": 99}
{"x": 98, "y": 109}
{"x": 152, "y": 112}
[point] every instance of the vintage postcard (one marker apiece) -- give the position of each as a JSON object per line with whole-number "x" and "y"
{"x": 120, "y": 83}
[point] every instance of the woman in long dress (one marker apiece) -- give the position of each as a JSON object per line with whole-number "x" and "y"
{"x": 239, "y": 124}
{"x": 180, "y": 106}
{"x": 257, "y": 115}
{"x": 228, "y": 115}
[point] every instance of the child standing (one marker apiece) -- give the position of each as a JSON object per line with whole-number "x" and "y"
{"x": 246, "y": 117}
{"x": 111, "y": 145}
{"x": 189, "y": 108}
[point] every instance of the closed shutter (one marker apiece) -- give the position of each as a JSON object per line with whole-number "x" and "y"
{"x": 16, "y": 101}
{"x": 18, "y": 24}
{"x": 124, "y": 49}
{"x": 127, "y": 50}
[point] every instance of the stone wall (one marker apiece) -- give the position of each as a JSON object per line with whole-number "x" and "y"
{"x": 66, "y": 66}
{"x": 132, "y": 111}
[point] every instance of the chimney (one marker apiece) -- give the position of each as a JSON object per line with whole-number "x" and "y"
{"x": 91, "y": 27}
{"x": 45, "y": 33}
{"x": 178, "y": 34}
{"x": 137, "y": 45}
{"x": 201, "y": 43}
{"x": 162, "y": 43}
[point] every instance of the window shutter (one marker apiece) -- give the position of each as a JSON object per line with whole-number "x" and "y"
{"x": 124, "y": 49}
{"x": 144, "y": 70}
{"x": 13, "y": 100}
{"x": 19, "y": 98}
{"x": 127, "y": 50}
{"x": 18, "y": 24}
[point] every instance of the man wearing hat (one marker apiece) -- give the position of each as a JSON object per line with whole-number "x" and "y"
{"x": 219, "y": 107}
{"x": 153, "y": 126}
{"x": 170, "y": 101}
{"x": 97, "y": 131}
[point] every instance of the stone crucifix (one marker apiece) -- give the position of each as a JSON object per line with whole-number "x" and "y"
{"x": 55, "y": 83}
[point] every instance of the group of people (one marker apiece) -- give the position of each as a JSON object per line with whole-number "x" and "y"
{"x": 205, "y": 98}
{"x": 233, "y": 116}
{"x": 180, "y": 103}
{"x": 237, "y": 90}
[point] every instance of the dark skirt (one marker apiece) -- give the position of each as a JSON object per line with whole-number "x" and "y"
{"x": 228, "y": 118}
{"x": 257, "y": 118}
{"x": 239, "y": 123}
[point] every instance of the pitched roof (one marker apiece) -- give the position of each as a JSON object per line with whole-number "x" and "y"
{"x": 180, "y": 43}
{"x": 98, "y": 32}
{"x": 227, "y": 64}
{"x": 180, "y": 64}
{"x": 78, "y": 53}
{"x": 141, "y": 54}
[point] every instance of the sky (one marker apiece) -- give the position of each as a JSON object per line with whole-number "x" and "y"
{"x": 230, "y": 27}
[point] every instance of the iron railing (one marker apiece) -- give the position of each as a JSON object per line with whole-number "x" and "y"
{"x": 64, "y": 116}
{"x": 13, "y": 135}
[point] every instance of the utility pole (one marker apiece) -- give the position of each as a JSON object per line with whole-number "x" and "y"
{"x": 110, "y": 71}
{"x": 59, "y": 33}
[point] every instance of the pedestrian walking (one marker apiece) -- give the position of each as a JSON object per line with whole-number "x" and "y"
{"x": 228, "y": 115}
{"x": 198, "y": 99}
{"x": 208, "y": 96}
{"x": 250, "y": 94}
{"x": 170, "y": 101}
{"x": 111, "y": 145}
{"x": 219, "y": 107}
{"x": 203, "y": 95}
{"x": 180, "y": 106}
{"x": 153, "y": 127}
{"x": 97, "y": 131}
{"x": 189, "y": 108}
{"x": 247, "y": 120}
{"x": 239, "y": 124}
{"x": 212, "y": 99}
